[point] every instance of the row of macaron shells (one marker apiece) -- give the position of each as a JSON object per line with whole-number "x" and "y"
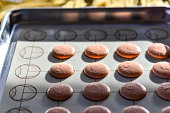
{"x": 99, "y": 91}
{"x": 103, "y": 109}
{"x": 127, "y": 50}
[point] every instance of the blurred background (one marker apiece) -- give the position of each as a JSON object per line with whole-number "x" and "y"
{"x": 6, "y": 5}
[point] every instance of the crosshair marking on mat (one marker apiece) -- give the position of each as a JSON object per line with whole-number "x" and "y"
{"x": 35, "y": 35}
{"x": 36, "y": 52}
{"x": 19, "y": 110}
{"x": 27, "y": 71}
{"x": 65, "y": 35}
{"x": 156, "y": 34}
{"x": 23, "y": 92}
{"x": 125, "y": 34}
{"x": 95, "y": 35}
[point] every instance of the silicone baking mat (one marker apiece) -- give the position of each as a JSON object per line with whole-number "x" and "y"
{"x": 28, "y": 79}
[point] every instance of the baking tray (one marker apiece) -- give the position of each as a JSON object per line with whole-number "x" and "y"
{"x": 27, "y": 37}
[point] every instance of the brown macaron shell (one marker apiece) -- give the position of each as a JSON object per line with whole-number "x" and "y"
{"x": 130, "y": 69}
{"x": 96, "y": 109}
{"x": 61, "y": 70}
{"x": 128, "y": 50}
{"x": 63, "y": 51}
{"x": 135, "y": 109}
{"x": 159, "y": 50}
{"x": 57, "y": 110}
{"x": 163, "y": 90}
{"x": 96, "y": 91}
{"x": 166, "y": 110}
{"x": 161, "y": 69}
{"x": 96, "y": 70}
{"x": 133, "y": 91}
{"x": 59, "y": 92}
{"x": 168, "y": 50}
{"x": 96, "y": 51}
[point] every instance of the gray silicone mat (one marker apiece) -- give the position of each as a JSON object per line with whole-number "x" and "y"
{"x": 28, "y": 79}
